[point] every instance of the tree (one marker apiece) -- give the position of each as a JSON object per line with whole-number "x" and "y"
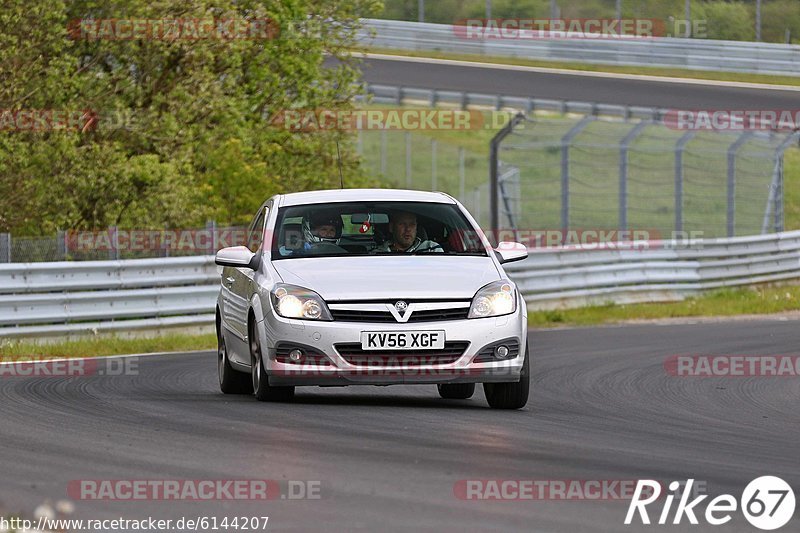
{"x": 168, "y": 129}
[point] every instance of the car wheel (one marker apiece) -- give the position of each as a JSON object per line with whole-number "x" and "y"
{"x": 456, "y": 391}
{"x": 260, "y": 382}
{"x": 230, "y": 381}
{"x": 510, "y": 395}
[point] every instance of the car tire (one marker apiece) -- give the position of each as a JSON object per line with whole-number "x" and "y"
{"x": 230, "y": 381}
{"x": 510, "y": 395}
{"x": 456, "y": 391}
{"x": 260, "y": 381}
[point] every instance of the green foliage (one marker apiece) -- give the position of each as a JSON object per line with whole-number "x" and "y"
{"x": 182, "y": 130}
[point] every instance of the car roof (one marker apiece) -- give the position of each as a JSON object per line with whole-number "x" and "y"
{"x": 358, "y": 195}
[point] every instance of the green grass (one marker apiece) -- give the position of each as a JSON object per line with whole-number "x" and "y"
{"x": 100, "y": 346}
{"x": 649, "y": 71}
{"x": 725, "y": 302}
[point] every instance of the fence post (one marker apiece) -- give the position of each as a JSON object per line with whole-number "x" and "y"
{"x": 680, "y": 147}
{"x": 494, "y": 163}
{"x": 461, "y": 174}
{"x": 775, "y": 201}
{"x": 433, "y": 164}
{"x": 383, "y": 152}
{"x": 5, "y": 247}
{"x": 211, "y": 226}
{"x": 623, "y": 172}
{"x": 359, "y": 143}
{"x": 408, "y": 159}
{"x": 113, "y": 250}
{"x": 61, "y": 244}
{"x": 732, "y": 149}
{"x": 566, "y": 141}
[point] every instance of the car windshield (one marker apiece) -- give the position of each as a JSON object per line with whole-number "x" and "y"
{"x": 374, "y": 228}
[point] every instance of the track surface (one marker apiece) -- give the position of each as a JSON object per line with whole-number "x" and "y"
{"x": 387, "y": 458}
{"x": 586, "y": 88}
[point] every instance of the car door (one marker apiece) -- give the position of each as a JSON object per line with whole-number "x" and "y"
{"x": 240, "y": 281}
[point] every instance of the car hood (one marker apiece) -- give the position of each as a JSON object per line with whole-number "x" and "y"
{"x": 388, "y": 277}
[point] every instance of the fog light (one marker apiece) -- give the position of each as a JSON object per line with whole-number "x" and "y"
{"x": 501, "y": 352}
{"x": 296, "y": 355}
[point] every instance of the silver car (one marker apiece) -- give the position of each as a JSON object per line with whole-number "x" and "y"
{"x": 370, "y": 287}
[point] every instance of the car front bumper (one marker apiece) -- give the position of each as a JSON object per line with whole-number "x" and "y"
{"x": 324, "y": 337}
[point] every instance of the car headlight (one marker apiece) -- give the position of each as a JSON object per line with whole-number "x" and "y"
{"x": 495, "y": 299}
{"x": 291, "y": 301}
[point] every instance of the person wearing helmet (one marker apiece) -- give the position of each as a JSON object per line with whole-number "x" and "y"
{"x": 403, "y": 228}
{"x": 321, "y": 229}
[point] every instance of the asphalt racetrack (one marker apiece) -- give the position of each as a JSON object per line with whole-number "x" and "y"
{"x": 581, "y": 87}
{"x": 388, "y": 459}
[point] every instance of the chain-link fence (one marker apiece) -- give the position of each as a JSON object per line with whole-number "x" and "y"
{"x": 116, "y": 243}
{"x": 578, "y": 172}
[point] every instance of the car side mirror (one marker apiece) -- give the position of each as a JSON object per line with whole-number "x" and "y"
{"x": 507, "y": 252}
{"x": 237, "y": 257}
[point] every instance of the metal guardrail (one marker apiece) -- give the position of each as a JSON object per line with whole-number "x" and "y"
{"x": 666, "y": 271}
{"x": 52, "y": 299}
{"x": 391, "y": 94}
{"x": 63, "y": 298}
{"x": 692, "y": 54}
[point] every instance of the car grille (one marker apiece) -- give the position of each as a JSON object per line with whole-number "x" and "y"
{"x": 353, "y": 354}
{"x": 431, "y": 315}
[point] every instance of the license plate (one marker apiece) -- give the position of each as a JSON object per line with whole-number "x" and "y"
{"x": 402, "y": 340}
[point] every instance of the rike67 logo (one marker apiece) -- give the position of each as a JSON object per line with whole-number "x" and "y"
{"x": 767, "y": 503}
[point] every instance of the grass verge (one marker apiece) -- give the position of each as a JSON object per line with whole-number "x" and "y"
{"x": 646, "y": 71}
{"x": 719, "y": 303}
{"x": 101, "y": 346}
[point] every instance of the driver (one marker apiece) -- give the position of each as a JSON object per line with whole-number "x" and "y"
{"x": 403, "y": 228}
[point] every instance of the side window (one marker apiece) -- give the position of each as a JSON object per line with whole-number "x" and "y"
{"x": 256, "y": 234}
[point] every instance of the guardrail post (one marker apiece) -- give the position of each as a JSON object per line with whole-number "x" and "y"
{"x": 5, "y": 247}
{"x": 623, "y": 172}
{"x": 566, "y": 141}
{"x": 680, "y": 147}
{"x": 732, "y": 149}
